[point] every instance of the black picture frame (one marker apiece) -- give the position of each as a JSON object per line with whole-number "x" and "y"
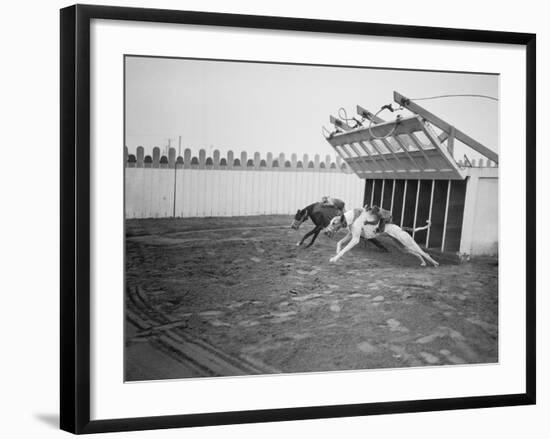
{"x": 75, "y": 217}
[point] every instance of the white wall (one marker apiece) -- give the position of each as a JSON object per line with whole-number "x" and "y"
{"x": 216, "y": 192}
{"x": 485, "y": 234}
{"x": 480, "y": 226}
{"x": 30, "y": 280}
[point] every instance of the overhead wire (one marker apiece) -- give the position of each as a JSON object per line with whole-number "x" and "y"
{"x": 455, "y": 96}
{"x": 342, "y": 113}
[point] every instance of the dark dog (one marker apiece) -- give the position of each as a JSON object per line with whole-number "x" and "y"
{"x": 320, "y": 214}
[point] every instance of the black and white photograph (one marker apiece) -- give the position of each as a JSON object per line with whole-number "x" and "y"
{"x": 295, "y": 218}
{"x": 275, "y": 219}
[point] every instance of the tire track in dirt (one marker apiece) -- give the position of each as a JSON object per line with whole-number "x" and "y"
{"x": 170, "y": 337}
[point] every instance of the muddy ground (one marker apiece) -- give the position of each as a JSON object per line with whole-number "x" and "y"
{"x": 230, "y": 296}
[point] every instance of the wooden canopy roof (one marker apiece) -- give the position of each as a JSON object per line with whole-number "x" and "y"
{"x": 406, "y": 148}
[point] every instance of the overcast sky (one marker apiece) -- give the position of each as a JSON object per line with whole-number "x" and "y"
{"x": 281, "y": 108}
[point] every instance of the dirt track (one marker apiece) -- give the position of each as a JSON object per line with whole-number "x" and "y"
{"x": 239, "y": 290}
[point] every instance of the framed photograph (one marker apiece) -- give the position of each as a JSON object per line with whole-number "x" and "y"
{"x": 274, "y": 218}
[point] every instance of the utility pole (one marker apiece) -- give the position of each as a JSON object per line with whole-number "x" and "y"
{"x": 176, "y": 172}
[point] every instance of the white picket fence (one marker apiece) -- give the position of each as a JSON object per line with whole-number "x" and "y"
{"x": 202, "y": 187}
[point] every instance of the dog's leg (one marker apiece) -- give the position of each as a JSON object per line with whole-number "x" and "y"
{"x": 418, "y": 255}
{"x": 342, "y": 242}
{"x": 409, "y": 243}
{"x": 311, "y": 232}
{"x": 354, "y": 241}
{"x": 421, "y": 254}
{"x": 413, "y": 249}
{"x": 430, "y": 259}
{"x": 316, "y": 230}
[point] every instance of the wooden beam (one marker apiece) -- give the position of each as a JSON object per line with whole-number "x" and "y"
{"x": 446, "y": 215}
{"x": 405, "y": 125}
{"x": 440, "y": 174}
{"x": 340, "y": 124}
{"x": 366, "y": 149}
{"x": 370, "y": 116}
{"x": 345, "y": 127}
{"x": 418, "y": 144}
{"x": 354, "y": 166}
{"x": 406, "y": 151}
{"x": 392, "y": 195}
{"x": 376, "y": 119}
{"x": 403, "y": 204}
{"x": 445, "y": 126}
{"x": 430, "y": 214}
{"x": 416, "y": 206}
{"x": 364, "y": 158}
{"x": 389, "y": 147}
{"x": 451, "y": 142}
{"x": 340, "y": 154}
{"x": 373, "y": 144}
{"x": 428, "y": 132}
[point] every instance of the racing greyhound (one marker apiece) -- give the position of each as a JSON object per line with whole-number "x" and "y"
{"x": 365, "y": 222}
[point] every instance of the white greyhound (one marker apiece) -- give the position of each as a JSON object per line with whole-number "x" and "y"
{"x": 364, "y": 222}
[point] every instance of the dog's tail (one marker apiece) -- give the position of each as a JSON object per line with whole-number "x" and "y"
{"x": 418, "y": 229}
